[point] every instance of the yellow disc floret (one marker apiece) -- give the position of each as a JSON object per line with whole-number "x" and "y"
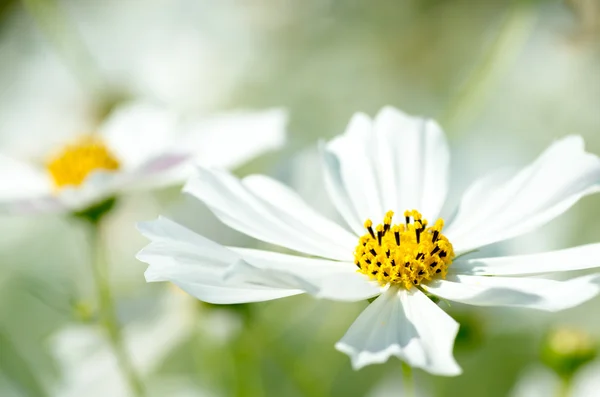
{"x": 406, "y": 254}
{"x": 76, "y": 161}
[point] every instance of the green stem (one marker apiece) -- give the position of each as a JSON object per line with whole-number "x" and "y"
{"x": 564, "y": 389}
{"x": 408, "y": 380}
{"x": 513, "y": 32}
{"x": 108, "y": 317}
{"x": 247, "y": 358}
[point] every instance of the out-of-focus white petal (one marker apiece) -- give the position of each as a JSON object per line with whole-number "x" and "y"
{"x": 498, "y": 208}
{"x": 140, "y": 131}
{"x": 21, "y": 180}
{"x": 587, "y": 381}
{"x": 536, "y": 382}
{"x": 407, "y": 325}
{"x": 265, "y": 215}
{"x": 576, "y": 258}
{"x": 89, "y": 366}
{"x": 396, "y": 162}
{"x": 318, "y": 277}
{"x": 533, "y": 293}
{"x": 197, "y": 265}
{"x": 230, "y": 139}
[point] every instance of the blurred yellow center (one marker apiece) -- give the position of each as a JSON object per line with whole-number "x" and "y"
{"x": 405, "y": 254}
{"x": 76, "y": 161}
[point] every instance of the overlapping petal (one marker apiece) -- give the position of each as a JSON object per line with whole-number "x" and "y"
{"x": 407, "y": 325}
{"x": 396, "y": 162}
{"x": 497, "y": 208}
{"x": 198, "y": 265}
{"x": 533, "y": 293}
{"x": 321, "y": 278}
{"x": 140, "y": 131}
{"x": 230, "y": 139}
{"x": 577, "y": 258}
{"x": 260, "y": 208}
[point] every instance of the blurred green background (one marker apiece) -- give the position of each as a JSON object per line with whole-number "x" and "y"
{"x": 504, "y": 78}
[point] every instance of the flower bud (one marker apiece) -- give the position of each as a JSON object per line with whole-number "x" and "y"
{"x": 566, "y": 350}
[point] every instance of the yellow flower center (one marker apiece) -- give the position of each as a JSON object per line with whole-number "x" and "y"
{"x": 76, "y": 161}
{"x": 405, "y": 254}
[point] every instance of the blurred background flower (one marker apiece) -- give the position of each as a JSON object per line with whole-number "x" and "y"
{"x": 505, "y": 79}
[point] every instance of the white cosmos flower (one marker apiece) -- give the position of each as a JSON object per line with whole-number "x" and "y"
{"x": 139, "y": 146}
{"x": 394, "y": 162}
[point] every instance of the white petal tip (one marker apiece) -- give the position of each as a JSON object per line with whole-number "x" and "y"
{"x": 359, "y": 360}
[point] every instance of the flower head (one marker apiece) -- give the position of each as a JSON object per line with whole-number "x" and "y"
{"x": 393, "y": 169}
{"x": 139, "y": 146}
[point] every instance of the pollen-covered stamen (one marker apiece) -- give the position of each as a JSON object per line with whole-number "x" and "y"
{"x": 404, "y": 254}
{"x": 72, "y": 165}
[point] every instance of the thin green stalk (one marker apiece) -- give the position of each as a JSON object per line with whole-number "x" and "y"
{"x": 564, "y": 389}
{"x": 514, "y": 30}
{"x": 408, "y": 380}
{"x": 247, "y": 366}
{"x": 108, "y": 317}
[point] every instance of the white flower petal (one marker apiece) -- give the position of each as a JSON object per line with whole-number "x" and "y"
{"x": 34, "y": 194}
{"x": 587, "y": 381}
{"x": 397, "y": 162}
{"x": 496, "y": 208}
{"x": 140, "y": 131}
{"x": 321, "y": 278}
{"x": 576, "y": 258}
{"x": 533, "y": 293}
{"x": 21, "y": 180}
{"x": 198, "y": 265}
{"x": 282, "y": 196}
{"x": 414, "y": 162}
{"x": 350, "y": 157}
{"x": 273, "y": 221}
{"x": 228, "y": 140}
{"x": 407, "y": 325}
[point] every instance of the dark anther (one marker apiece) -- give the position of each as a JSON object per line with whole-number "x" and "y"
{"x": 415, "y": 282}
{"x": 421, "y": 272}
{"x": 374, "y": 272}
{"x": 357, "y": 265}
{"x": 407, "y": 264}
{"x": 371, "y": 232}
{"x": 368, "y": 261}
{"x": 436, "y": 249}
{"x": 436, "y": 234}
{"x": 443, "y": 254}
{"x": 379, "y": 235}
{"x": 418, "y": 233}
{"x": 373, "y": 252}
{"x": 434, "y": 264}
{"x": 393, "y": 262}
{"x": 387, "y": 253}
{"x": 420, "y": 255}
{"x": 397, "y": 235}
{"x": 386, "y": 227}
{"x": 378, "y": 264}
{"x": 407, "y": 218}
{"x": 438, "y": 271}
{"x": 385, "y": 274}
